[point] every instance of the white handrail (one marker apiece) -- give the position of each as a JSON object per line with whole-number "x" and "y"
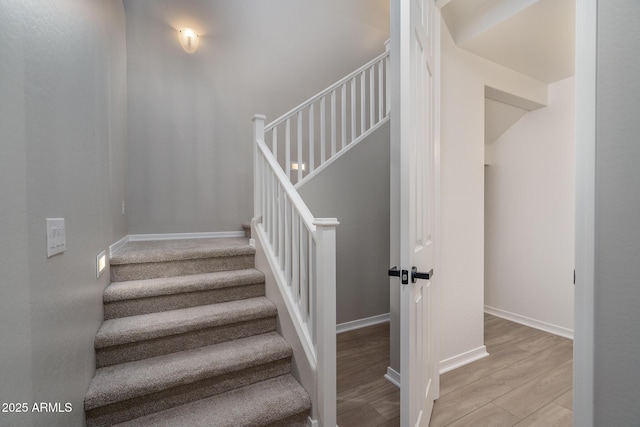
{"x": 323, "y": 126}
{"x": 301, "y": 249}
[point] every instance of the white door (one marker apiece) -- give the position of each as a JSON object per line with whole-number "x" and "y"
{"x": 415, "y": 39}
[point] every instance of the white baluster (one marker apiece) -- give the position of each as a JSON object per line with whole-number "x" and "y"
{"x": 343, "y": 113}
{"x": 380, "y": 91}
{"x": 299, "y": 129}
{"x": 276, "y": 219}
{"x": 295, "y": 273}
{"x": 312, "y": 290}
{"x": 281, "y": 227}
{"x": 304, "y": 284}
{"x": 372, "y": 94}
{"x": 266, "y": 189}
{"x": 333, "y": 123}
{"x": 363, "y": 105}
{"x": 312, "y": 148}
{"x": 287, "y": 148}
{"x": 387, "y": 65}
{"x": 323, "y": 127}
{"x": 263, "y": 191}
{"x": 274, "y": 211}
{"x": 353, "y": 109}
{"x": 274, "y": 142}
{"x": 287, "y": 241}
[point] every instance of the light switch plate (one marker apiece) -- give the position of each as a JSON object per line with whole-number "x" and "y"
{"x": 56, "y": 240}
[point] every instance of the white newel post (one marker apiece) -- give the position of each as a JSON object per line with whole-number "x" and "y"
{"x": 258, "y": 135}
{"x": 326, "y": 319}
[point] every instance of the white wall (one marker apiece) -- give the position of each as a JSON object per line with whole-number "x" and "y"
{"x": 63, "y": 138}
{"x": 617, "y": 216}
{"x": 464, "y": 77}
{"x": 530, "y": 215}
{"x": 355, "y": 189}
{"x": 190, "y": 152}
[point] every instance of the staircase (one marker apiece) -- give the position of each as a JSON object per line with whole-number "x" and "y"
{"x": 189, "y": 340}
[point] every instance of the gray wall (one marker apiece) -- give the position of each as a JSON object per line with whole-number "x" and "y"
{"x": 63, "y": 141}
{"x": 617, "y": 229}
{"x": 190, "y": 151}
{"x": 355, "y": 189}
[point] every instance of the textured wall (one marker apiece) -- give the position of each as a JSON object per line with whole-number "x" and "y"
{"x": 63, "y": 137}
{"x": 355, "y": 189}
{"x": 530, "y": 214}
{"x": 617, "y": 230}
{"x": 190, "y": 151}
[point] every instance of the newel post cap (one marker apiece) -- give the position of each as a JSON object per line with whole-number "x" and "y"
{"x": 326, "y": 222}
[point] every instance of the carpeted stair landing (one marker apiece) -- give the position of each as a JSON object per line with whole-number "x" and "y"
{"x": 190, "y": 340}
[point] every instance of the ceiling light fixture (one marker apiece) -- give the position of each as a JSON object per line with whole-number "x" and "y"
{"x": 188, "y": 39}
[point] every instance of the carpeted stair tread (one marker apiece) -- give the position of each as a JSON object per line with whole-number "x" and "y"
{"x": 260, "y": 404}
{"x": 132, "y": 289}
{"x": 133, "y": 379}
{"x": 182, "y": 249}
{"x": 155, "y": 325}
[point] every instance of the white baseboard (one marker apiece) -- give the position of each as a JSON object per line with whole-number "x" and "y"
{"x": 118, "y": 245}
{"x": 171, "y": 236}
{"x": 446, "y": 365}
{"x": 392, "y": 376}
{"x": 362, "y": 323}
{"x": 463, "y": 359}
{"x": 312, "y": 423}
{"x": 178, "y": 236}
{"x": 527, "y": 321}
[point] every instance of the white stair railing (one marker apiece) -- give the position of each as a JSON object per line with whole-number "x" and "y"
{"x": 328, "y": 123}
{"x": 301, "y": 251}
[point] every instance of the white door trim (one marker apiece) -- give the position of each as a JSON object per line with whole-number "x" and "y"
{"x": 583, "y": 375}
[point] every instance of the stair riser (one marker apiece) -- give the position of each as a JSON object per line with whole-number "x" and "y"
{"x": 157, "y": 304}
{"x": 298, "y": 420}
{"x": 154, "y": 270}
{"x": 155, "y": 402}
{"x": 151, "y": 348}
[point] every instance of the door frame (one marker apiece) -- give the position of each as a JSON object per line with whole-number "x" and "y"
{"x": 583, "y": 344}
{"x": 583, "y": 378}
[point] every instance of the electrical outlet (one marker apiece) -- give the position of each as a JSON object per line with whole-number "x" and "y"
{"x": 56, "y": 238}
{"x": 123, "y": 207}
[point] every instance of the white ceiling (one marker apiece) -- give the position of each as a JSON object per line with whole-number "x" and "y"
{"x": 533, "y": 37}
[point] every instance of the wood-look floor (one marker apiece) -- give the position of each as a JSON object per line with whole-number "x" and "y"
{"x": 526, "y": 381}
